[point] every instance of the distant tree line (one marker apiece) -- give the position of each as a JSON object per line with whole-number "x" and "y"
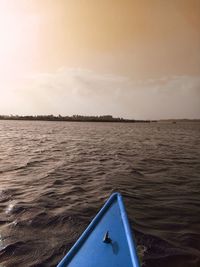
{"x": 104, "y": 118}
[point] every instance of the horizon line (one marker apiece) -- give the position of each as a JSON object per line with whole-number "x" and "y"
{"x": 79, "y": 116}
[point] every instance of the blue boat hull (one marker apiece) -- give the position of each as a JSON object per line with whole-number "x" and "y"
{"x": 107, "y": 241}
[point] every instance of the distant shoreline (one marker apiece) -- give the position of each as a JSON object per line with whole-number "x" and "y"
{"x": 80, "y": 118}
{"x": 74, "y": 118}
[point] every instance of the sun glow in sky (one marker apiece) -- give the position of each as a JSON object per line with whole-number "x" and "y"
{"x": 132, "y": 58}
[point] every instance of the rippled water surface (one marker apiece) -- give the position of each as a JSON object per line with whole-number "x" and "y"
{"x": 54, "y": 176}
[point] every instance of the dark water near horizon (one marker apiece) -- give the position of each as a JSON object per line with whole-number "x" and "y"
{"x": 54, "y": 176}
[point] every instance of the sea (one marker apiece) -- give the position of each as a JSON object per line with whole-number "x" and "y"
{"x": 55, "y": 176}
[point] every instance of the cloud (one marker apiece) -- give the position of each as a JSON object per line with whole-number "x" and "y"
{"x": 71, "y": 91}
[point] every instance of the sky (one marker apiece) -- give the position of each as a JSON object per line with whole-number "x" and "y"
{"x": 136, "y": 59}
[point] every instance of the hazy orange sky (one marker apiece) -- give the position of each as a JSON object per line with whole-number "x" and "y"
{"x": 132, "y": 58}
